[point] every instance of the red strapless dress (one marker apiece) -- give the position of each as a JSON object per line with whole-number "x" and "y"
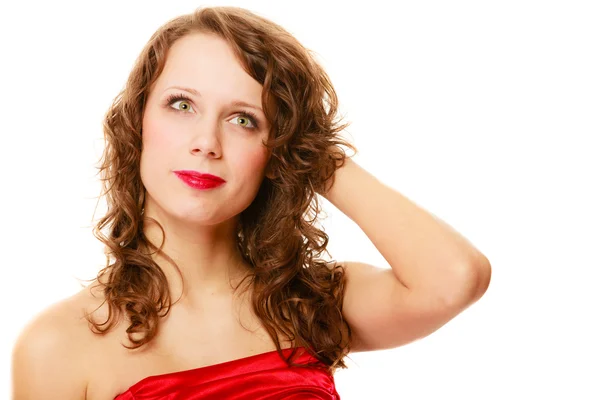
{"x": 263, "y": 376}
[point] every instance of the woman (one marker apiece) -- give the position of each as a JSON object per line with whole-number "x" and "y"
{"x": 215, "y": 151}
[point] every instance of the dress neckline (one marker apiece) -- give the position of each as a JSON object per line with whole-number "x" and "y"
{"x": 194, "y": 371}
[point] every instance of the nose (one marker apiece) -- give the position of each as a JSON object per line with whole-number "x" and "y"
{"x": 206, "y": 137}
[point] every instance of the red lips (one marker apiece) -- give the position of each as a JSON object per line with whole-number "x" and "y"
{"x": 199, "y": 180}
{"x": 199, "y": 175}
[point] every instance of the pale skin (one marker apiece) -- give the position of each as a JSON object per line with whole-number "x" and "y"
{"x": 207, "y": 134}
{"x": 435, "y": 272}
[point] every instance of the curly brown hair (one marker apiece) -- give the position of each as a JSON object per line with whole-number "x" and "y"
{"x": 295, "y": 292}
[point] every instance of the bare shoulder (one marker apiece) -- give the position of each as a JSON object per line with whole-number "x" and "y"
{"x": 48, "y": 358}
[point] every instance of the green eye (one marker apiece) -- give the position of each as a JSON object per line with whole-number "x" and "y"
{"x": 246, "y": 120}
{"x": 183, "y": 105}
{"x": 243, "y": 121}
{"x": 181, "y": 102}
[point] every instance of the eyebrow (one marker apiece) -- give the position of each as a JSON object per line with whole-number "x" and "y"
{"x": 239, "y": 103}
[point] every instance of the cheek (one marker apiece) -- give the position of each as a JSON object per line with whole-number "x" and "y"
{"x": 155, "y": 134}
{"x": 252, "y": 160}
{"x": 156, "y": 145}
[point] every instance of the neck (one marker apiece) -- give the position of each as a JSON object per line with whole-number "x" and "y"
{"x": 207, "y": 257}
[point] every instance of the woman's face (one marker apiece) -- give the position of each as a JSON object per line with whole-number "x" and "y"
{"x": 202, "y": 129}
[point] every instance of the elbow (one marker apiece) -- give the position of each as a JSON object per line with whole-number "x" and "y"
{"x": 479, "y": 276}
{"x": 474, "y": 281}
{"x": 483, "y": 273}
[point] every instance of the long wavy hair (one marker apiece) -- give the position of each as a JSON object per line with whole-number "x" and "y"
{"x": 296, "y": 293}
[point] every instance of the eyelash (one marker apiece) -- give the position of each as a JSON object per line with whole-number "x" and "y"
{"x": 248, "y": 114}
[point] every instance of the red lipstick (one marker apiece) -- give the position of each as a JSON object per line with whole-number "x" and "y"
{"x": 199, "y": 180}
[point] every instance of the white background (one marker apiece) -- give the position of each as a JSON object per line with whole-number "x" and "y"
{"x": 484, "y": 113}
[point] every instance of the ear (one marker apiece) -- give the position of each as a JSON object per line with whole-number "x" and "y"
{"x": 269, "y": 173}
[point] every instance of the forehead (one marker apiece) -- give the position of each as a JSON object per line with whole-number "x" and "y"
{"x": 206, "y": 63}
